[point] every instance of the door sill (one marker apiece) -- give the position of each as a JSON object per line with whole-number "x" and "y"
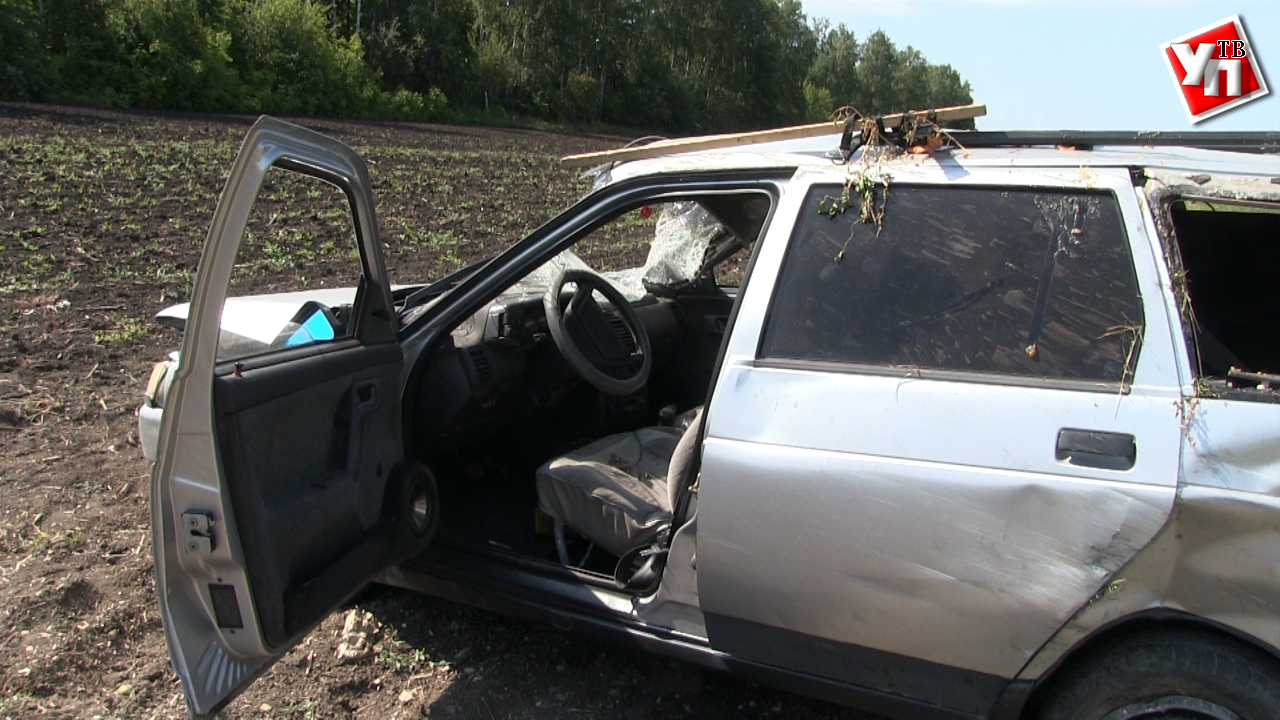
{"x": 496, "y": 556}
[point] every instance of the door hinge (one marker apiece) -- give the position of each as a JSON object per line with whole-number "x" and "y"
{"x": 199, "y": 533}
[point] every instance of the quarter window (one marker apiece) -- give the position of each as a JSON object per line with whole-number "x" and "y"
{"x": 1015, "y": 282}
{"x": 1229, "y": 252}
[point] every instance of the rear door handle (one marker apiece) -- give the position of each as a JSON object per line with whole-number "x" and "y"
{"x": 1095, "y": 449}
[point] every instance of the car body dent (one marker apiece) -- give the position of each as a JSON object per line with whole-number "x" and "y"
{"x": 813, "y": 155}
{"x": 1232, "y": 447}
{"x": 960, "y": 565}
{"x": 1226, "y": 184}
{"x": 1217, "y": 560}
{"x": 153, "y": 402}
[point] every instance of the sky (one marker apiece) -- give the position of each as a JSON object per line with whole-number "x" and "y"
{"x": 1051, "y": 65}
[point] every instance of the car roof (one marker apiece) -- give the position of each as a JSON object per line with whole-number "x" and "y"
{"x": 821, "y": 152}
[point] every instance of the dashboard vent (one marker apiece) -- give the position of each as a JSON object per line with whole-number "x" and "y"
{"x": 480, "y": 363}
{"x": 620, "y": 329}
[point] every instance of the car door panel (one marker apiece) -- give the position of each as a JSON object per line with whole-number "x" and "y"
{"x": 860, "y": 512}
{"x": 708, "y": 312}
{"x": 704, "y": 317}
{"x": 969, "y": 561}
{"x": 300, "y": 509}
{"x": 269, "y": 477}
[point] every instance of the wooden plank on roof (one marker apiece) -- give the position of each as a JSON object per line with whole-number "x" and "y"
{"x": 717, "y": 142}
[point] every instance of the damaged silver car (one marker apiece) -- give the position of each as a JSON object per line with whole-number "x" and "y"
{"x": 990, "y": 432}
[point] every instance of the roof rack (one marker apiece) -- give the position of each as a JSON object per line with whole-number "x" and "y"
{"x": 794, "y": 132}
{"x": 1250, "y": 142}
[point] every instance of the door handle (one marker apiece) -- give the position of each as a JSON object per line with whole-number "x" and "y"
{"x": 1096, "y": 449}
{"x": 365, "y": 395}
{"x": 362, "y": 398}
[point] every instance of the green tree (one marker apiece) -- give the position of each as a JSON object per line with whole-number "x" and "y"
{"x": 175, "y": 59}
{"x": 293, "y": 63}
{"x": 86, "y": 60}
{"x": 668, "y": 65}
{"x": 22, "y": 62}
{"x": 422, "y": 45}
{"x": 876, "y": 77}
{"x": 834, "y": 69}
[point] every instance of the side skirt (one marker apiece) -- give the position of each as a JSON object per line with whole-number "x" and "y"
{"x": 967, "y": 691}
{"x": 490, "y": 586}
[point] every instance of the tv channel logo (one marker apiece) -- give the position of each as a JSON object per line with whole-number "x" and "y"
{"x": 1214, "y": 68}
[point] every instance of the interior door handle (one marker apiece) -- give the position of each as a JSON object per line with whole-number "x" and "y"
{"x": 1095, "y": 449}
{"x": 366, "y": 396}
{"x": 362, "y": 399}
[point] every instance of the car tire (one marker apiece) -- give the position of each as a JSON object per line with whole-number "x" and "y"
{"x": 412, "y": 506}
{"x": 1187, "y": 674}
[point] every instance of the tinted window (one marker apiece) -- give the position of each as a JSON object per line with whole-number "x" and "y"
{"x": 985, "y": 280}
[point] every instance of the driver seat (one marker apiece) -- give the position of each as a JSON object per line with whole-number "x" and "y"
{"x": 619, "y": 492}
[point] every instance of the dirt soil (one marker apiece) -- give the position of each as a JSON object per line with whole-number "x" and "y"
{"x": 102, "y": 217}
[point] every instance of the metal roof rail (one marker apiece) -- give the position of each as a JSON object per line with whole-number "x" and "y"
{"x": 1249, "y": 142}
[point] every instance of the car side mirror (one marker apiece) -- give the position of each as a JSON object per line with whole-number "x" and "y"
{"x": 315, "y": 326}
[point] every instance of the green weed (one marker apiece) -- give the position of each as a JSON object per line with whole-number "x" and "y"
{"x": 398, "y": 657}
{"x": 306, "y": 708}
{"x": 125, "y": 330}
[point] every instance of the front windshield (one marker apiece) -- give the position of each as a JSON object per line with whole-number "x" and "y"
{"x": 675, "y": 234}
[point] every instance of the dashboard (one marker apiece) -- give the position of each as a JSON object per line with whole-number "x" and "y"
{"x": 501, "y": 363}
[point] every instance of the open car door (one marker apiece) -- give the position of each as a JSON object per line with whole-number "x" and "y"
{"x": 280, "y": 486}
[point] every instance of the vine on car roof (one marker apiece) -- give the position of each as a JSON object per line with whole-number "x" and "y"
{"x": 868, "y": 183}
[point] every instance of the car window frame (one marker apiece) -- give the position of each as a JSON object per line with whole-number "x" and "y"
{"x": 577, "y": 221}
{"x": 1121, "y": 387}
{"x": 363, "y": 318}
{"x": 1162, "y": 201}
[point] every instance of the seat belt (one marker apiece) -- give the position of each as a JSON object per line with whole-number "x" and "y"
{"x": 635, "y": 575}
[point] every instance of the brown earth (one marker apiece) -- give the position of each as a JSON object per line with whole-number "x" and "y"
{"x": 102, "y": 216}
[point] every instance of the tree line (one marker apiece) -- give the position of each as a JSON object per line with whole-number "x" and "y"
{"x": 664, "y": 65}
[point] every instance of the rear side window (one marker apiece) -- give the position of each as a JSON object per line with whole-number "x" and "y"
{"x": 1014, "y": 282}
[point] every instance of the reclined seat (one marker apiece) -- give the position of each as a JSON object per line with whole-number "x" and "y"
{"x": 619, "y": 492}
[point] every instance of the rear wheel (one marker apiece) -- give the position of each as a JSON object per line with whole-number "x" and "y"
{"x": 1170, "y": 675}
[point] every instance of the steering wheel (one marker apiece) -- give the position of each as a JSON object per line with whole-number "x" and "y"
{"x": 583, "y": 334}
